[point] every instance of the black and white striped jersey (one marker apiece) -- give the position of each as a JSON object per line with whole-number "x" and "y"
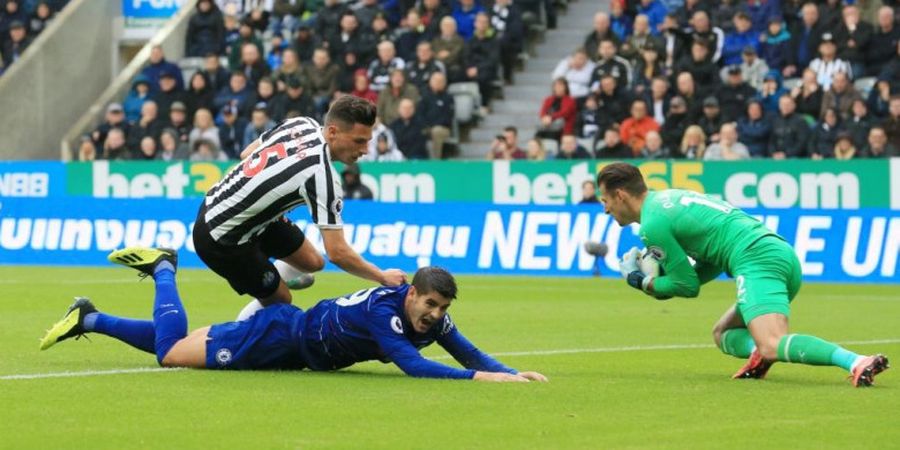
{"x": 292, "y": 166}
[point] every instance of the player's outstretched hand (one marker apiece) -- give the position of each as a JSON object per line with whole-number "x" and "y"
{"x": 393, "y": 277}
{"x": 534, "y": 376}
{"x": 499, "y": 377}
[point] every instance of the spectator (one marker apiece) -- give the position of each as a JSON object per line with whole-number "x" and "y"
{"x": 257, "y": 15}
{"x": 235, "y": 50}
{"x": 653, "y": 147}
{"x": 600, "y": 33}
{"x": 501, "y": 150}
{"x": 677, "y": 121}
{"x": 205, "y": 130}
{"x": 353, "y": 187}
{"x": 692, "y": 96}
{"x": 12, "y": 12}
{"x": 844, "y": 149}
{"x": 557, "y": 112}
{"x": 361, "y": 87}
{"x": 295, "y": 102}
{"x": 824, "y": 135}
{"x": 569, "y": 148}
{"x": 170, "y": 147}
{"x": 880, "y": 97}
{"x": 381, "y": 29}
{"x": 437, "y": 110}
{"x": 643, "y": 37}
{"x": 448, "y": 48}
{"x": 232, "y": 31}
{"x": 754, "y": 130}
{"x": 431, "y": 12}
{"x": 827, "y": 64}
{"x": 274, "y": 101}
{"x": 286, "y": 14}
{"x": 577, "y": 70}
{"x": 385, "y": 149}
{"x": 253, "y": 65}
{"x": 761, "y": 12}
{"x": 883, "y": 45}
{"x": 409, "y": 131}
{"x": 590, "y": 123}
{"x": 775, "y": 45}
{"x": 115, "y": 118}
{"x": 158, "y": 66}
{"x": 380, "y": 69}
{"x": 87, "y": 152}
{"x": 743, "y": 36}
{"x": 351, "y": 44}
{"x": 217, "y": 76}
{"x": 635, "y": 128}
{"x": 328, "y": 18}
{"x": 699, "y": 65}
{"x": 482, "y": 53}
{"x": 853, "y": 37}
{"x": 878, "y": 146}
{"x": 199, "y": 94}
{"x": 204, "y": 150}
{"x": 808, "y": 95}
{"x": 859, "y": 123}
{"x": 713, "y": 37}
{"x": 420, "y": 69}
{"x": 734, "y": 94}
{"x": 772, "y": 91}
{"x": 891, "y": 124}
{"x": 411, "y": 35}
{"x": 322, "y": 77}
{"x": 16, "y": 44}
{"x": 711, "y": 121}
{"x": 177, "y": 121}
{"x": 149, "y": 125}
{"x": 366, "y": 11}
{"x": 305, "y": 43}
{"x": 805, "y": 40}
{"x": 588, "y": 192}
{"x": 840, "y": 97}
{"x": 647, "y": 69}
{"x": 236, "y": 94}
{"x": 231, "y": 132}
{"x": 612, "y": 147}
{"x": 610, "y": 64}
{"x": 684, "y": 13}
{"x": 146, "y": 150}
{"x": 506, "y": 21}
{"x": 115, "y": 148}
{"x": 655, "y": 12}
{"x": 259, "y": 123}
{"x": 674, "y": 41}
{"x": 789, "y": 131}
{"x": 753, "y": 68}
{"x": 134, "y": 101}
{"x": 620, "y": 22}
{"x": 168, "y": 93}
{"x": 389, "y": 99}
{"x": 206, "y": 30}
{"x": 535, "y": 150}
{"x": 465, "y": 13}
{"x": 290, "y": 68}
{"x": 693, "y": 144}
{"x": 40, "y": 19}
{"x": 612, "y": 101}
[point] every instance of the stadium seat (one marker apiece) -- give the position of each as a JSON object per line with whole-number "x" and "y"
{"x": 466, "y": 99}
{"x": 864, "y": 85}
{"x": 791, "y": 83}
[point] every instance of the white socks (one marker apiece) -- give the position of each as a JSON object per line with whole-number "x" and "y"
{"x": 249, "y": 310}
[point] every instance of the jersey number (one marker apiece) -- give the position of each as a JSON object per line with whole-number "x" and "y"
{"x": 254, "y": 166}
{"x": 355, "y": 298}
{"x": 687, "y": 201}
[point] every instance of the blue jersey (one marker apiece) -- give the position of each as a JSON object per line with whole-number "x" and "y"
{"x": 372, "y": 324}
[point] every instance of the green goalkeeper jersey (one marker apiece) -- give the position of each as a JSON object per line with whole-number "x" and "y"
{"x": 677, "y": 224}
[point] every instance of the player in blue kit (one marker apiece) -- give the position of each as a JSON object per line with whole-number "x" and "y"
{"x": 389, "y": 324}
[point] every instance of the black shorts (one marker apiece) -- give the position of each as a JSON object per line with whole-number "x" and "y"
{"x": 247, "y": 267}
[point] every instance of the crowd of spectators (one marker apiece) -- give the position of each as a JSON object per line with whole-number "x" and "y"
{"x": 267, "y": 60}
{"x": 728, "y": 80}
{"x": 21, "y": 21}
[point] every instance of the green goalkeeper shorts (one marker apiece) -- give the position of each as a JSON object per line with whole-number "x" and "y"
{"x": 768, "y": 276}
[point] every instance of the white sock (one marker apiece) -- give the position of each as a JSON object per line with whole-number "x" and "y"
{"x": 286, "y": 271}
{"x": 249, "y": 310}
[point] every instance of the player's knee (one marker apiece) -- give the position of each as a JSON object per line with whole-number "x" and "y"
{"x": 317, "y": 263}
{"x": 717, "y": 332}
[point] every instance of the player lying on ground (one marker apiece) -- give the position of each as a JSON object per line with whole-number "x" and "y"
{"x": 384, "y": 323}
{"x": 677, "y": 224}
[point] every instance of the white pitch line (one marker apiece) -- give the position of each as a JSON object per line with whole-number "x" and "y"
{"x": 631, "y": 348}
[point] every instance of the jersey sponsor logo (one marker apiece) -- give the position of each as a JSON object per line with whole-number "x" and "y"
{"x": 448, "y": 325}
{"x": 397, "y": 325}
{"x": 657, "y": 252}
{"x": 223, "y": 356}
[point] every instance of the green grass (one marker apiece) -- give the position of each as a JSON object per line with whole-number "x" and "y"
{"x": 675, "y": 398}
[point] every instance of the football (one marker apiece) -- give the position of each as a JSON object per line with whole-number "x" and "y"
{"x": 649, "y": 263}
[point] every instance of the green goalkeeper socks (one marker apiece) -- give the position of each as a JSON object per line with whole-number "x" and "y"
{"x": 805, "y": 349}
{"x": 737, "y": 342}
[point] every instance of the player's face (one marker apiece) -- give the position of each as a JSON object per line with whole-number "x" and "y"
{"x": 348, "y": 145}
{"x": 614, "y": 204}
{"x": 425, "y": 310}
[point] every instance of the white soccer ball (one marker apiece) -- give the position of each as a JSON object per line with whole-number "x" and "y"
{"x": 649, "y": 263}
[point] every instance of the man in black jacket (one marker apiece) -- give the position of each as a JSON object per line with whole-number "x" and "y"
{"x": 734, "y": 94}
{"x": 883, "y": 46}
{"x": 437, "y": 111}
{"x": 804, "y": 43}
{"x": 506, "y": 19}
{"x": 482, "y": 54}
{"x": 420, "y": 69}
{"x": 409, "y": 131}
{"x": 789, "y": 131}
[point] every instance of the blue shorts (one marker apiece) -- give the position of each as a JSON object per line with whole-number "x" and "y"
{"x": 268, "y": 340}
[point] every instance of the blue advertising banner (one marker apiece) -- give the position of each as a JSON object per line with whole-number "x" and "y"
{"x": 150, "y": 9}
{"x": 833, "y": 245}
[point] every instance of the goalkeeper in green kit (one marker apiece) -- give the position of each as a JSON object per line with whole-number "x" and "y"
{"x": 678, "y": 224}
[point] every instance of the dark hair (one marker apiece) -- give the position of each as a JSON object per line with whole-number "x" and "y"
{"x": 563, "y": 82}
{"x": 350, "y": 110}
{"x": 624, "y": 176}
{"x": 512, "y": 129}
{"x": 435, "y": 279}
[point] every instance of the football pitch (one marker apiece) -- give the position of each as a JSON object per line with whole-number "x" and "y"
{"x": 625, "y": 371}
